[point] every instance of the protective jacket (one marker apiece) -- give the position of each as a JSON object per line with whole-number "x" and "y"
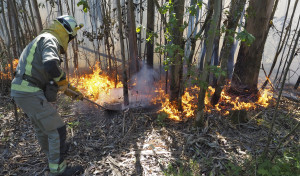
{"x": 39, "y": 62}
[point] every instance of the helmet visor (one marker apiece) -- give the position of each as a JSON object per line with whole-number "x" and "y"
{"x": 66, "y": 25}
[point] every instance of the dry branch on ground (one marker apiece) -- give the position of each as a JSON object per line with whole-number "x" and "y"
{"x": 133, "y": 143}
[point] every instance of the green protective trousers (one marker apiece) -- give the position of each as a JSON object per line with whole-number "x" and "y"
{"x": 49, "y": 128}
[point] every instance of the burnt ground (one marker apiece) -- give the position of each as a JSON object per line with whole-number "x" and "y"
{"x": 139, "y": 142}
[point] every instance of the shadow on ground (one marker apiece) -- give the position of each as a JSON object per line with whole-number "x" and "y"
{"x": 135, "y": 143}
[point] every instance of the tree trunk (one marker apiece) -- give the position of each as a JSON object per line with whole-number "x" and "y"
{"x": 216, "y": 56}
{"x": 235, "y": 12}
{"x": 133, "y": 51}
{"x": 202, "y": 55}
{"x": 124, "y": 77}
{"x": 67, "y": 65}
{"x": 10, "y": 59}
{"x": 106, "y": 20}
{"x": 176, "y": 65}
{"x": 32, "y": 19}
{"x": 38, "y": 16}
{"x": 19, "y": 29}
{"x": 191, "y": 24}
{"x": 233, "y": 49}
{"x": 8, "y": 44}
{"x": 150, "y": 29}
{"x": 205, "y": 28}
{"x": 12, "y": 24}
{"x": 204, "y": 74}
{"x": 271, "y": 17}
{"x": 14, "y": 27}
{"x": 60, "y": 8}
{"x": 115, "y": 61}
{"x": 29, "y": 34}
{"x": 140, "y": 34}
{"x": 297, "y": 83}
{"x": 75, "y": 42}
{"x": 245, "y": 77}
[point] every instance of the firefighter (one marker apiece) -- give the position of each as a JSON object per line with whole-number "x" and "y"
{"x": 38, "y": 79}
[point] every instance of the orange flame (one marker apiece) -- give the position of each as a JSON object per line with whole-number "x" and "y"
{"x": 95, "y": 85}
{"x": 98, "y": 86}
{"x": 7, "y": 68}
{"x": 237, "y": 104}
{"x": 15, "y": 63}
{"x": 189, "y": 103}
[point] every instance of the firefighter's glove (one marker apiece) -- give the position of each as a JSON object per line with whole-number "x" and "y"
{"x": 62, "y": 85}
{"x": 74, "y": 93}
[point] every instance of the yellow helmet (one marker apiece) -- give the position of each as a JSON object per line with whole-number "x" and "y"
{"x": 70, "y": 25}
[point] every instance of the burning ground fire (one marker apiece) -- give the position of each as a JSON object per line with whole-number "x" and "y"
{"x": 99, "y": 88}
{"x": 5, "y": 72}
{"x": 189, "y": 103}
{"x": 96, "y": 85}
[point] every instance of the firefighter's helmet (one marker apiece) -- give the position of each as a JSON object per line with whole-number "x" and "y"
{"x": 70, "y": 25}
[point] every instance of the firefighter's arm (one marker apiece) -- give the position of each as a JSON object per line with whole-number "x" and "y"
{"x": 51, "y": 61}
{"x": 57, "y": 74}
{"x": 61, "y": 81}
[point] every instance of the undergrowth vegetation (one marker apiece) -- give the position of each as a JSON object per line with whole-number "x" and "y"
{"x": 286, "y": 164}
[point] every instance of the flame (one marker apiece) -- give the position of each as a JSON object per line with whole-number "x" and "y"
{"x": 99, "y": 86}
{"x": 189, "y": 104}
{"x": 265, "y": 98}
{"x": 95, "y": 85}
{"x": 237, "y": 104}
{"x": 227, "y": 103}
{"x": 7, "y": 68}
{"x": 15, "y": 63}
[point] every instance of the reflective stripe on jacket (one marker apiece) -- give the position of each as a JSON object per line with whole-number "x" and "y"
{"x": 43, "y": 48}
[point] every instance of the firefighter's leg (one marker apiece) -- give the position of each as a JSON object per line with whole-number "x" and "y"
{"x": 57, "y": 150}
{"x": 42, "y": 138}
{"x": 31, "y": 106}
{"x": 46, "y": 118}
{"x": 54, "y": 127}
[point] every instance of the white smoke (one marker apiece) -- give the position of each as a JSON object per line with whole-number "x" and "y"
{"x": 141, "y": 89}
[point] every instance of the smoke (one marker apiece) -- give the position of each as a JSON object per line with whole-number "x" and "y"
{"x": 141, "y": 89}
{"x": 143, "y": 86}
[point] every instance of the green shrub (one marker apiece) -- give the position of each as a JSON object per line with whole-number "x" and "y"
{"x": 287, "y": 164}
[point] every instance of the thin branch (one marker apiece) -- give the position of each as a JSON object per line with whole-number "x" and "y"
{"x": 282, "y": 140}
{"x": 279, "y": 96}
{"x": 162, "y": 16}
